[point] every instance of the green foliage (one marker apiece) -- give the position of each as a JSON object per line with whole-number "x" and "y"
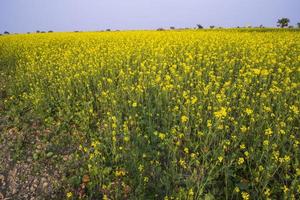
{"x": 283, "y": 22}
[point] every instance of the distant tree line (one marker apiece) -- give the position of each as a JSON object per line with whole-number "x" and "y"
{"x": 281, "y": 23}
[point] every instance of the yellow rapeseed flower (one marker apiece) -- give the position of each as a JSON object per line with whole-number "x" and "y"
{"x": 249, "y": 111}
{"x": 245, "y": 196}
{"x": 69, "y": 194}
{"x": 221, "y": 114}
{"x": 184, "y": 119}
{"x": 241, "y": 161}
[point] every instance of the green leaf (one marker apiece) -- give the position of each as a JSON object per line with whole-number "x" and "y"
{"x": 49, "y": 154}
{"x": 209, "y": 197}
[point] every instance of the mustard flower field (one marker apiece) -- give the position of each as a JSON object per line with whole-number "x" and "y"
{"x": 211, "y": 114}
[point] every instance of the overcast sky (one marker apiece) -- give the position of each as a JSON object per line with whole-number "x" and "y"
{"x": 89, "y": 15}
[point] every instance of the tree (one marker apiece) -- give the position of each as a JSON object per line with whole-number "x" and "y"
{"x": 298, "y": 24}
{"x": 6, "y": 32}
{"x": 199, "y": 26}
{"x": 212, "y": 27}
{"x": 283, "y": 22}
{"x": 172, "y": 28}
{"x": 37, "y": 31}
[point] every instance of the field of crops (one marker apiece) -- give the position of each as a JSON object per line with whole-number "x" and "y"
{"x": 160, "y": 114}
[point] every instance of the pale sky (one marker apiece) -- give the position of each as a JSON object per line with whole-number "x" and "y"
{"x": 91, "y": 15}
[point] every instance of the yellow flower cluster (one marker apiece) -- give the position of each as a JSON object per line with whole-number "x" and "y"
{"x": 163, "y": 114}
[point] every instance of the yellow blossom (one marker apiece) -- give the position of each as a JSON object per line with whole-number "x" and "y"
{"x": 285, "y": 189}
{"x": 162, "y": 136}
{"x": 221, "y": 114}
{"x": 244, "y": 129}
{"x": 146, "y": 179}
{"x": 249, "y": 111}
{"x": 295, "y": 109}
{"x": 267, "y": 192}
{"x": 261, "y": 168}
{"x": 245, "y": 196}
{"x": 220, "y": 158}
{"x": 191, "y": 192}
{"x": 105, "y": 197}
{"x": 141, "y": 168}
{"x": 184, "y": 119}
{"x": 186, "y": 150}
{"x": 266, "y": 142}
{"x": 242, "y": 146}
{"x": 120, "y": 173}
{"x": 241, "y": 161}
{"x": 69, "y": 194}
{"x": 209, "y": 124}
{"x": 182, "y": 163}
{"x": 268, "y": 132}
{"x": 237, "y": 189}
